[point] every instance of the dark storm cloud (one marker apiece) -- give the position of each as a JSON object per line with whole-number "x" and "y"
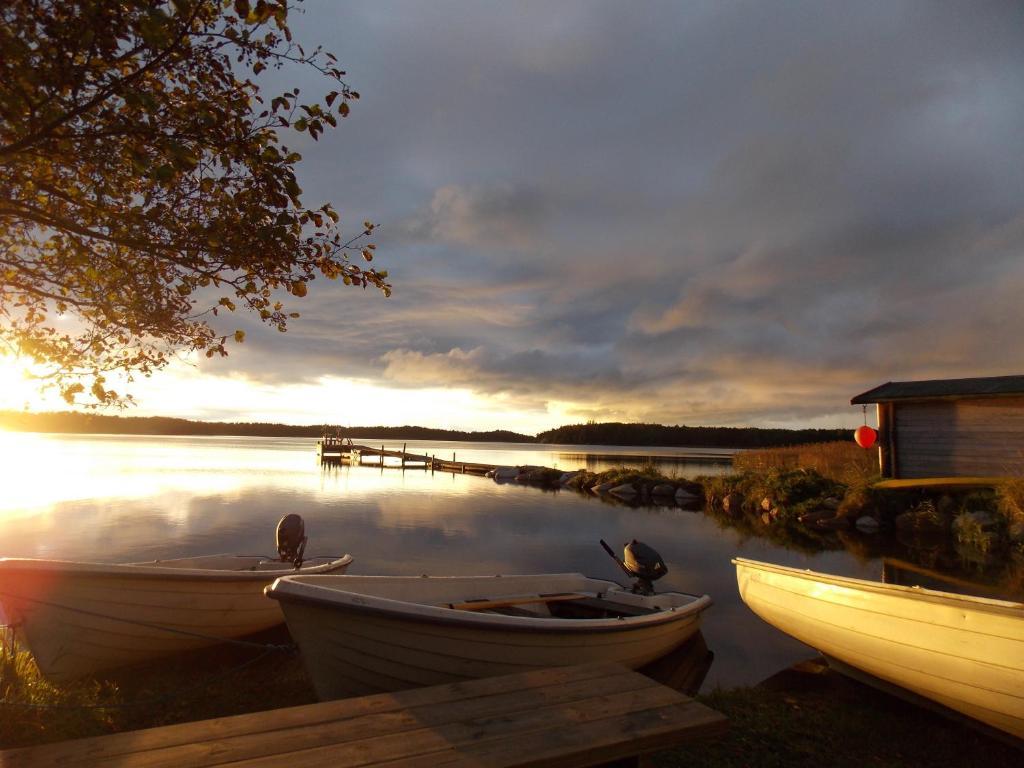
{"x": 720, "y": 211}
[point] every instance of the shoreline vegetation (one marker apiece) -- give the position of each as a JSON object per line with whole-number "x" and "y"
{"x": 822, "y": 497}
{"x": 614, "y": 433}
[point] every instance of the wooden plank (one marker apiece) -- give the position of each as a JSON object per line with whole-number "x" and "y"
{"x": 389, "y": 732}
{"x": 88, "y": 750}
{"x": 579, "y": 716}
{"x": 584, "y": 744}
{"x": 965, "y": 437}
{"x": 434, "y": 745}
{"x": 484, "y": 604}
{"x": 883, "y": 411}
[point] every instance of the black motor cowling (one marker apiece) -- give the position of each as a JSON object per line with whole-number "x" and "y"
{"x": 291, "y": 539}
{"x": 640, "y": 562}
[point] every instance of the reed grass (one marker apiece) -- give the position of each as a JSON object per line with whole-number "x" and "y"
{"x": 1010, "y": 500}
{"x": 811, "y": 723}
{"x": 210, "y": 682}
{"x": 843, "y": 462}
{"x": 36, "y": 711}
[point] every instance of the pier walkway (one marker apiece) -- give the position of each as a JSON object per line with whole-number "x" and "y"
{"x": 347, "y": 452}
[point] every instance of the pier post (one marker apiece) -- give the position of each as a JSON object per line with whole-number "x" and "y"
{"x": 403, "y": 454}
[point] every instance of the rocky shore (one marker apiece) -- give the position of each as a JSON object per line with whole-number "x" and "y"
{"x": 980, "y": 530}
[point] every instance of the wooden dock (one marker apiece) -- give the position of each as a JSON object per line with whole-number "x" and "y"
{"x": 564, "y": 717}
{"x": 335, "y": 449}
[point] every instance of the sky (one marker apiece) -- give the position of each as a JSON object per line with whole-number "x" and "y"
{"x": 734, "y": 213}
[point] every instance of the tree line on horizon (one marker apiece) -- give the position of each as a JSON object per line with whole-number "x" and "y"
{"x": 612, "y": 433}
{"x": 618, "y": 433}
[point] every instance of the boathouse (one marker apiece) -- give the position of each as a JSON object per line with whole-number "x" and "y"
{"x": 950, "y": 428}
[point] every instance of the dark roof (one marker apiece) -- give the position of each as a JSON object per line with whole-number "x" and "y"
{"x": 915, "y": 390}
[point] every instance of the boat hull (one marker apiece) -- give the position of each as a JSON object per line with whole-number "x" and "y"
{"x": 350, "y": 649}
{"x": 79, "y": 619}
{"x": 964, "y": 653}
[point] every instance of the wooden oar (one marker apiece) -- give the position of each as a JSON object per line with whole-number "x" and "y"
{"x": 483, "y": 604}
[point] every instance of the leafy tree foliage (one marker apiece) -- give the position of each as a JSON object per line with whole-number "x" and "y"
{"x": 145, "y": 187}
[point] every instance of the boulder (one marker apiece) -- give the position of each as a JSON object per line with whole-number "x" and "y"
{"x": 833, "y": 522}
{"x": 567, "y": 476}
{"x": 506, "y": 473}
{"x": 625, "y": 490}
{"x": 830, "y": 503}
{"x": 684, "y": 496}
{"x": 812, "y": 518}
{"x": 663, "y": 489}
{"x": 867, "y": 524}
{"x": 732, "y": 503}
{"x": 603, "y": 487}
{"x": 770, "y": 516}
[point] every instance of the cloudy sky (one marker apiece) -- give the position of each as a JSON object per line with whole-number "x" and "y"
{"x": 682, "y": 212}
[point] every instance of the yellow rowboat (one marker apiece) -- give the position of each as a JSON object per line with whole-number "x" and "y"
{"x": 965, "y": 653}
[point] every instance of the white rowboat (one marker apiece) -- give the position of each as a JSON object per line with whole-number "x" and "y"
{"x": 81, "y": 618}
{"x": 369, "y": 634}
{"x": 966, "y": 653}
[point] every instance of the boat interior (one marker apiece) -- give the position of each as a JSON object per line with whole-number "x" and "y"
{"x": 559, "y": 605}
{"x": 564, "y": 596}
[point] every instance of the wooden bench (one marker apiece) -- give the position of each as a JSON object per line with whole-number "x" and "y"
{"x": 566, "y": 716}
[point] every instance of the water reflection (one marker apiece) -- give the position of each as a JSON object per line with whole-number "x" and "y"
{"x": 122, "y": 499}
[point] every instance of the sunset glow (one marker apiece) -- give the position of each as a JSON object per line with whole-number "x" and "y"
{"x": 19, "y": 390}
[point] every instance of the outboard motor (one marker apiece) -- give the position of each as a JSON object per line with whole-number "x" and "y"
{"x": 640, "y": 562}
{"x": 291, "y": 539}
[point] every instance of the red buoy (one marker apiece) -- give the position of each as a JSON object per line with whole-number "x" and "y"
{"x": 865, "y": 436}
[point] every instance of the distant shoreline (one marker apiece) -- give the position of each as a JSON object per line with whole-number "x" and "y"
{"x": 607, "y": 434}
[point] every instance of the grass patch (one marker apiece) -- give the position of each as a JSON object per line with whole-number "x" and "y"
{"x": 1010, "y": 500}
{"x": 843, "y": 462}
{"x": 37, "y": 711}
{"x": 792, "y": 491}
{"x": 832, "y": 721}
{"x": 213, "y": 682}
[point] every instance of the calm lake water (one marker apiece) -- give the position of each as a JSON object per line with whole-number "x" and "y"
{"x": 114, "y": 498}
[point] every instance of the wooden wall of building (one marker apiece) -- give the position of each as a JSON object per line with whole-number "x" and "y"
{"x": 959, "y": 438}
